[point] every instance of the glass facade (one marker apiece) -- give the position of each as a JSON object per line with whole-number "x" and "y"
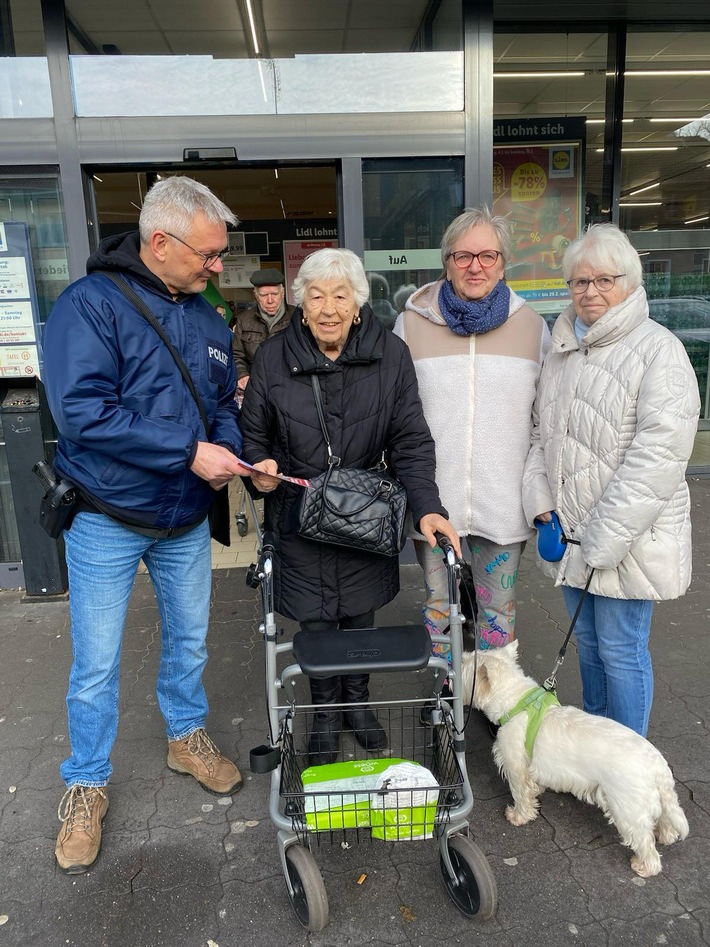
{"x": 34, "y": 200}
{"x": 408, "y": 204}
{"x": 356, "y": 120}
{"x": 665, "y": 200}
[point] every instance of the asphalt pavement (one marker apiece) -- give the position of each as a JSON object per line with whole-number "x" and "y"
{"x": 182, "y": 868}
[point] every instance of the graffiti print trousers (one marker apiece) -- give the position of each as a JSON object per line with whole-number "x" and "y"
{"x": 495, "y": 573}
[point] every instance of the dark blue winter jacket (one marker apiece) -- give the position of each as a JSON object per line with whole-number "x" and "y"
{"x": 128, "y": 425}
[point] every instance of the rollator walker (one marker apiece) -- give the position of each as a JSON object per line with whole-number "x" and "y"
{"x": 427, "y": 733}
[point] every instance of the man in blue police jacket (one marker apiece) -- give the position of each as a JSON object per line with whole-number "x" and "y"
{"x": 132, "y": 439}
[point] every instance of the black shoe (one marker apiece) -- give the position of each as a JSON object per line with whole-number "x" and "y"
{"x": 368, "y": 730}
{"x": 324, "y": 742}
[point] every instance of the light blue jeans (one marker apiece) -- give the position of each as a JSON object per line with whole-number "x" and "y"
{"x": 614, "y": 660}
{"x": 102, "y": 558}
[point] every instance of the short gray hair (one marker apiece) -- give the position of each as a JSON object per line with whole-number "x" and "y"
{"x": 475, "y": 217}
{"x": 174, "y": 203}
{"x": 332, "y": 263}
{"x": 605, "y": 248}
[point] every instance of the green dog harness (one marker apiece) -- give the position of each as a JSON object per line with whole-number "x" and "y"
{"x": 537, "y": 701}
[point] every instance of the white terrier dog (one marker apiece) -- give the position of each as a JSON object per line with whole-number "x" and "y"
{"x": 594, "y": 758}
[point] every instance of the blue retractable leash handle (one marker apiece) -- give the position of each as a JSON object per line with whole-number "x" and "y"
{"x": 551, "y": 546}
{"x": 551, "y": 539}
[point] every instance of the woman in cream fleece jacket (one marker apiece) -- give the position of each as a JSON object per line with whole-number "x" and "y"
{"x": 477, "y": 350}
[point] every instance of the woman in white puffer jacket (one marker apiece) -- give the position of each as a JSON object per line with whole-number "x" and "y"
{"x": 615, "y": 420}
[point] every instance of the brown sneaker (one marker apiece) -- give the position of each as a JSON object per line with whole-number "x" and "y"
{"x": 81, "y": 812}
{"x": 197, "y": 756}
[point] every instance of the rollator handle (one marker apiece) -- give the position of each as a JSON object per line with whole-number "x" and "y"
{"x": 444, "y": 543}
{"x": 268, "y": 541}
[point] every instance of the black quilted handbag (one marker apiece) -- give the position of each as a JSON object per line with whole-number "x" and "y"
{"x": 349, "y": 506}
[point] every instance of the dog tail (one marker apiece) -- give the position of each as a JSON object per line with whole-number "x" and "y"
{"x": 672, "y": 824}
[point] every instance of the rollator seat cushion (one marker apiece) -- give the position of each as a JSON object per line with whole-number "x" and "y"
{"x": 389, "y": 648}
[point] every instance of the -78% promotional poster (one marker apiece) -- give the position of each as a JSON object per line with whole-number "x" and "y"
{"x": 538, "y": 187}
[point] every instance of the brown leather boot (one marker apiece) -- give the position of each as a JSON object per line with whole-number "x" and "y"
{"x": 81, "y": 812}
{"x": 196, "y": 755}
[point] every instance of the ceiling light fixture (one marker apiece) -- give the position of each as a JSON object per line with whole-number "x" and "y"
{"x": 641, "y": 204}
{"x": 538, "y": 75}
{"x": 97, "y": 178}
{"x": 648, "y": 187}
{"x": 252, "y": 27}
{"x": 675, "y": 121}
{"x": 664, "y": 72}
{"x": 673, "y": 148}
{"x": 697, "y": 220}
{"x": 600, "y": 121}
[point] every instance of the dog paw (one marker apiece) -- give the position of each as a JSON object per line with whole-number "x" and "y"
{"x": 646, "y": 869}
{"x": 668, "y": 837}
{"x": 515, "y": 817}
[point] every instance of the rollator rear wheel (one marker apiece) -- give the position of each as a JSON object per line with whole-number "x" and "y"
{"x": 309, "y": 899}
{"x": 474, "y": 891}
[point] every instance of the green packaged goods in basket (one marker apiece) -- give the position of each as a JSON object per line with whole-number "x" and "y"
{"x": 395, "y": 798}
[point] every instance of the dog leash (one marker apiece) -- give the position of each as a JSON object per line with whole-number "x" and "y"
{"x": 551, "y": 682}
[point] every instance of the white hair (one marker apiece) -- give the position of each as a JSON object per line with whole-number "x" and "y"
{"x": 604, "y": 248}
{"x": 173, "y": 204}
{"x": 332, "y": 263}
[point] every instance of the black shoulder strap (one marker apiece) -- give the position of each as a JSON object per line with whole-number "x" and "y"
{"x": 315, "y": 384}
{"x": 143, "y": 309}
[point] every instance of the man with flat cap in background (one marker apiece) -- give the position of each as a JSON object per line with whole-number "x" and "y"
{"x": 270, "y": 314}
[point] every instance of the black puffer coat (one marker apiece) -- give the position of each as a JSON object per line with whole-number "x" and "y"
{"x": 371, "y": 403}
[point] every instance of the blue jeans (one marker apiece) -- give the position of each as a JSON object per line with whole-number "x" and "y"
{"x": 614, "y": 660}
{"x": 102, "y": 558}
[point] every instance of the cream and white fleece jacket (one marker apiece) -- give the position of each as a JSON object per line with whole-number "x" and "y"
{"x": 477, "y": 392}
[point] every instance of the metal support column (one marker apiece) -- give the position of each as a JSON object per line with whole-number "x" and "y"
{"x": 351, "y": 219}
{"x": 7, "y": 36}
{"x": 71, "y": 179}
{"x": 613, "y": 129}
{"x": 478, "y": 104}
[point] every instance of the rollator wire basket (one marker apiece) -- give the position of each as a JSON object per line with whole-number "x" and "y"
{"x": 404, "y": 813}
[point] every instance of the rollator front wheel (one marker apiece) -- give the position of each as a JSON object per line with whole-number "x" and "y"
{"x": 474, "y": 890}
{"x": 309, "y": 899}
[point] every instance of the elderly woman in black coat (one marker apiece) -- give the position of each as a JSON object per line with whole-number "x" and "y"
{"x": 371, "y": 404}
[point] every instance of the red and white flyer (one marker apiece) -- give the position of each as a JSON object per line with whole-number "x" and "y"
{"x": 299, "y": 481}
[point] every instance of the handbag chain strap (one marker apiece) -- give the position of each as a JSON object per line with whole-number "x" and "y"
{"x": 333, "y": 461}
{"x": 143, "y": 309}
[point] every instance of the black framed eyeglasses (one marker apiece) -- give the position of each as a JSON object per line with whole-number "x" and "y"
{"x": 463, "y": 258}
{"x": 602, "y": 283}
{"x": 209, "y": 258}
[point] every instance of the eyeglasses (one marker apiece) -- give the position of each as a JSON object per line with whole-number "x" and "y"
{"x": 463, "y": 258}
{"x": 208, "y": 258}
{"x": 602, "y": 283}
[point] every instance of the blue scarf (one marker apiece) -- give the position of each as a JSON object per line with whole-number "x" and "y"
{"x": 469, "y": 317}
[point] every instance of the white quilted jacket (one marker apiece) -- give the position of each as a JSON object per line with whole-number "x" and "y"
{"x": 614, "y": 424}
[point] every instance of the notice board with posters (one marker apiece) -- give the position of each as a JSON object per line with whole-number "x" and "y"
{"x": 19, "y": 352}
{"x": 538, "y": 185}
